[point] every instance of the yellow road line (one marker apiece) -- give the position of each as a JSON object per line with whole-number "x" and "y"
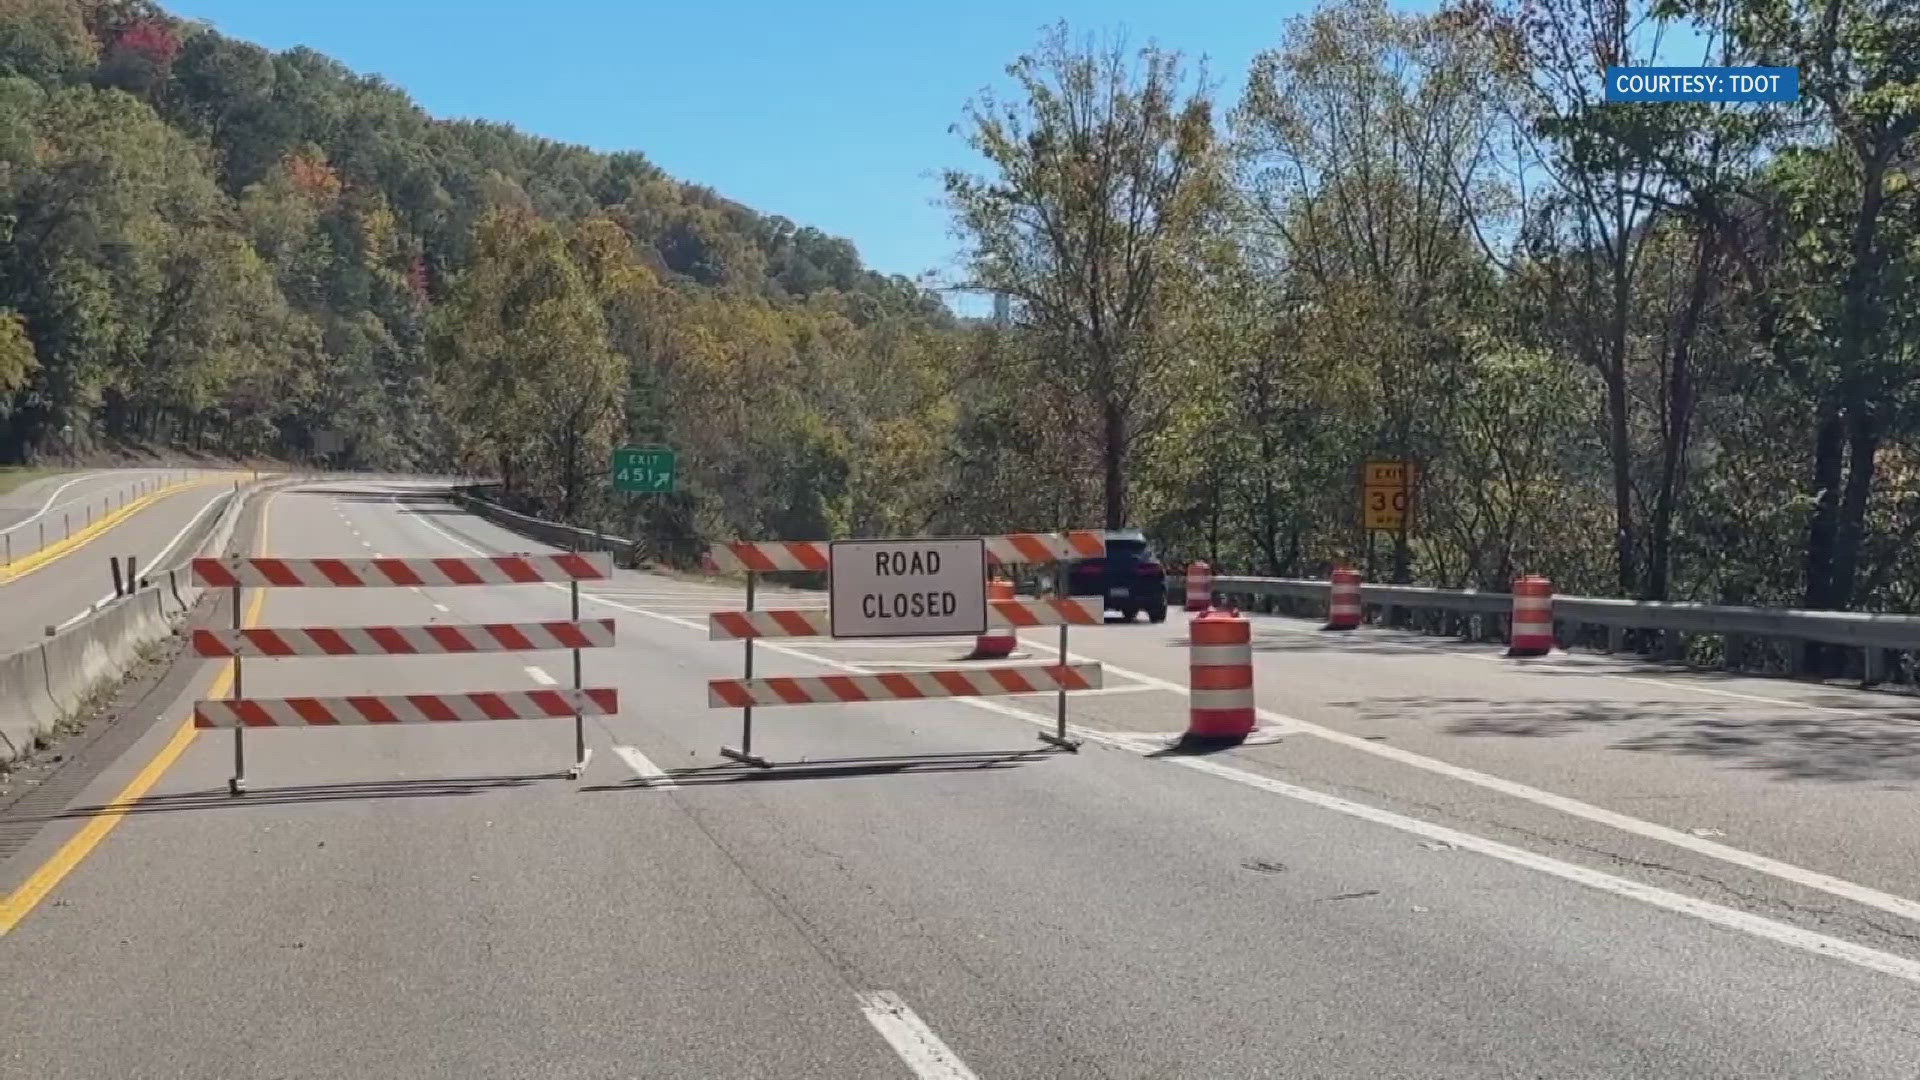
{"x": 34, "y": 560}
{"x": 50, "y": 873}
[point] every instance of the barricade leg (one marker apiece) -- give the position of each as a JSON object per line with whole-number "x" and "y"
{"x": 1058, "y": 737}
{"x": 237, "y": 784}
{"x": 745, "y": 754}
{"x": 581, "y": 755}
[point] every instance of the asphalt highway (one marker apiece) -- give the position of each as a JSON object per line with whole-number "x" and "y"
{"x": 1430, "y": 864}
{"x": 55, "y": 591}
{"x": 75, "y": 492}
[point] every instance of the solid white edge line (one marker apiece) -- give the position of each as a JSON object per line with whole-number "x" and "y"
{"x": 161, "y": 555}
{"x": 915, "y": 1043}
{"x": 1168, "y": 685}
{"x": 702, "y": 610}
{"x": 1785, "y": 871}
{"x": 1782, "y": 933}
{"x": 879, "y": 666}
{"x": 1728, "y": 917}
{"x": 679, "y": 599}
{"x": 928, "y": 643}
{"x": 51, "y": 502}
{"x": 48, "y": 506}
{"x": 156, "y": 559}
{"x": 540, "y": 676}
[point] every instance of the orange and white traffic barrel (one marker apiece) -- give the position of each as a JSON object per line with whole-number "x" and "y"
{"x": 997, "y": 643}
{"x": 1343, "y": 600}
{"x": 1199, "y": 587}
{"x": 1532, "y": 617}
{"x": 1220, "y": 677}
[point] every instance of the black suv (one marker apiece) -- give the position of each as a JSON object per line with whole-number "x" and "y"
{"x": 1130, "y": 577}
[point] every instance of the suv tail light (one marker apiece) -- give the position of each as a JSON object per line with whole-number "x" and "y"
{"x": 1149, "y": 567}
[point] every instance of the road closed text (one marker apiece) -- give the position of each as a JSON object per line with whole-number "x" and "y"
{"x": 905, "y": 588}
{"x": 908, "y": 605}
{"x": 913, "y": 564}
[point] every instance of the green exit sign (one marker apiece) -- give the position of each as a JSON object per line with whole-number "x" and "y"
{"x": 643, "y": 468}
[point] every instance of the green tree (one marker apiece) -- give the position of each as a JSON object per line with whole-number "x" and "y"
{"x": 1605, "y": 194}
{"x": 119, "y": 264}
{"x": 1364, "y": 145}
{"x": 522, "y": 360}
{"x": 45, "y": 40}
{"x": 17, "y": 360}
{"x": 1105, "y": 179}
{"x": 1860, "y": 69}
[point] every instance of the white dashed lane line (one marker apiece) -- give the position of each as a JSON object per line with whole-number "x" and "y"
{"x": 650, "y": 775}
{"x": 919, "y": 1048}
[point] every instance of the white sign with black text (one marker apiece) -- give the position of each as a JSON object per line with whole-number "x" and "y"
{"x": 907, "y": 588}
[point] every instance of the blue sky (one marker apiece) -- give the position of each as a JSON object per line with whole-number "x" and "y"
{"x": 834, "y": 114}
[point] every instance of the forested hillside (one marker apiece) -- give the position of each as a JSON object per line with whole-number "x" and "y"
{"x": 213, "y": 246}
{"x": 1666, "y": 351}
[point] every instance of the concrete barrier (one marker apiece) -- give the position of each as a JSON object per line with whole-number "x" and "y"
{"x": 22, "y": 697}
{"x": 44, "y": 684}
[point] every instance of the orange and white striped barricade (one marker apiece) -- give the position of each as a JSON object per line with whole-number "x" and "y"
{"x": 1220, "y": 677}
{"x": 1033, "y": 549}
{"x": 403, "y": 640}
{"x": 404, "y": 708}
{"x": 998, "y": 643}
{"x": 246, "y": 571}
{"x": 237, "y": 643}
{"x": 902, "y": 685}
{"x": 757, "y": 557}
{"x": 1343, "y": 600}
{"x": 1199, "y": 587}
{"x": 1532, "y": 633}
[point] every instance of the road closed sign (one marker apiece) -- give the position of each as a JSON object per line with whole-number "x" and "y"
{"x": 907, "y": 588}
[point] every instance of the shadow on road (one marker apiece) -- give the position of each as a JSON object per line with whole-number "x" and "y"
{"x": 219, "y": 799}
{"x": 1852, "y": 746}
{"x": 837, "y": 768}
{"x": 1190, "y": 746}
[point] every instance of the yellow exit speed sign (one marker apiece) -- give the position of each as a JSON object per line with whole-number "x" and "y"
{"x": 1386, "y": 495}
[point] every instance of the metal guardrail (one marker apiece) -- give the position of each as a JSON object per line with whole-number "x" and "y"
{"x": 1873, "y": 634}
{"x": 570, "y": 537}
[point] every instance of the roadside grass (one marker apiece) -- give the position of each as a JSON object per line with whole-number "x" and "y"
{"x": 12, "y": 476}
